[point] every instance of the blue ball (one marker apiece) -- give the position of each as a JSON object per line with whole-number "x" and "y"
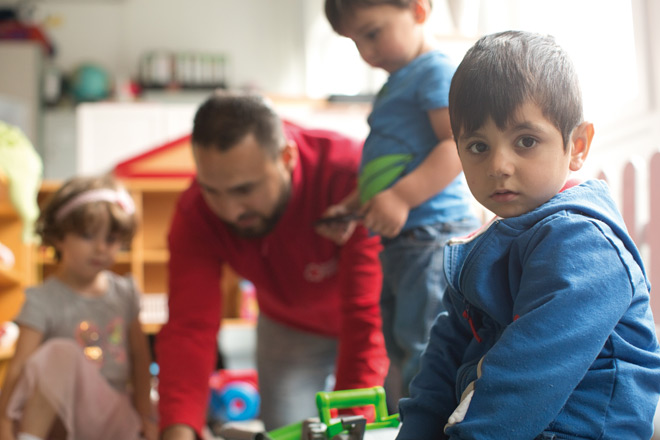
{"x": 90, "y": 82}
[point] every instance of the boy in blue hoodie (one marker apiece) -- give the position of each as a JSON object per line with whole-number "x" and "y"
{"x": 548, "y": 332}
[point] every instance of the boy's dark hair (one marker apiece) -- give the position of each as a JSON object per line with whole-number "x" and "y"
{"x": 504, "y": 70}
{"x": 336, "y": 11}
{"x": 85, "y": 218}
{"x": 225, "y": 118}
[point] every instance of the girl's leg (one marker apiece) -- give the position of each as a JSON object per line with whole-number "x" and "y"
{"x": 38, "y": 416}
{"x": 85, "y": 403}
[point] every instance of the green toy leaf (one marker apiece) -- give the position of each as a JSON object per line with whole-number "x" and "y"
{"x": 379, "y": 174}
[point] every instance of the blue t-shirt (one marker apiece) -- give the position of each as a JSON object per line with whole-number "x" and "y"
{"x": 401, "y": 137}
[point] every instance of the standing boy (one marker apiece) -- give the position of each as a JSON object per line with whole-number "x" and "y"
{"x": 548, "y": 331}
{"x": 411, "y": 190}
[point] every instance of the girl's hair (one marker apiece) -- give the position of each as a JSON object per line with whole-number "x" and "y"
{"x": 336, "y": 11}
{"x": 502, "y": 71}
{"x": 59, "y": 217}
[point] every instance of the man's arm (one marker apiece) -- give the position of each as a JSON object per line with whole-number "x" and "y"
{"x": 362, "y": 360}
{"x": 340, "y": 231}
{"x": 186, "y": 346}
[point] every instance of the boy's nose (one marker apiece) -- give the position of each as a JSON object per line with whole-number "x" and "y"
{"x": 501, "y": 163}
{"x": 366, "y": 53}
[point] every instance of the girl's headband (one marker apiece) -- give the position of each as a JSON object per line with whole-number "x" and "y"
{"x": 120, "y": 197}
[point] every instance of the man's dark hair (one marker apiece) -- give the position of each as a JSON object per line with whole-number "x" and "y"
{"x": 225, "y": 118}
{"x": 336, "y": 11}
{"x": 504, "y": 70}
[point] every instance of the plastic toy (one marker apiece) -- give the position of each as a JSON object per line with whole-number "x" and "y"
{"x": 234, "y": 395}
{"x": 326, "y": 427}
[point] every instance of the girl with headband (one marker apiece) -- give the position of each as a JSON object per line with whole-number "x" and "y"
{"x": 81, "y": 366}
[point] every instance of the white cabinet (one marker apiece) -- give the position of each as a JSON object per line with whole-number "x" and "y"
{"x": 109, "y": 133}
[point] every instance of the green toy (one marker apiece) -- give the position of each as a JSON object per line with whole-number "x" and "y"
{"x": 23, "y": 167}
{"x": 352, "y": 427}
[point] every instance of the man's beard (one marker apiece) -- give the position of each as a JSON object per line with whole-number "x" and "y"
{"x": 267, "y": 223}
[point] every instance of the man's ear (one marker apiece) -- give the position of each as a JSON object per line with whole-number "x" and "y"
{"x": 580, "y": 144}
{"x": 421, "y": 10}
{"x": 289, "y": 155}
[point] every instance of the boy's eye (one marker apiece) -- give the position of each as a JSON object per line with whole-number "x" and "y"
{"x": 477, "y": 147}
{"x": 526, "y": 142}
{"x": 371, "y": 35}
{"x": 112, "y": 239}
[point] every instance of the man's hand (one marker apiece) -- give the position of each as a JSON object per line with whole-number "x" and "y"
{"x": 179, "y": 432}
{"x": 337, "y": 231}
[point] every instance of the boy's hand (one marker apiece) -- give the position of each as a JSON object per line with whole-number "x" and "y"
{"x": 386, "y": 213}
{"x": 459, "y": 413}
{"x": 337, "y": 231}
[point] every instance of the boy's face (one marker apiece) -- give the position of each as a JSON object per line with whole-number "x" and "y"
{"x": 386, "y": 36}
{"x": 515, "y": 170}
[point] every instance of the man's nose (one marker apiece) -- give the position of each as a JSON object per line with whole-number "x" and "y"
{"x": 227, "y": 208}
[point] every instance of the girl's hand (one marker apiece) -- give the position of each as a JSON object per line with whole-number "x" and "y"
{"x": 337, "y": 231}
{"x": 6, "y": 429}
{"x": 149, "y": 429}
{"x": 386, "y": 213}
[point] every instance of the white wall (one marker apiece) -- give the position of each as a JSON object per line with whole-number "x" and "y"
{"x": 263, "y": 39}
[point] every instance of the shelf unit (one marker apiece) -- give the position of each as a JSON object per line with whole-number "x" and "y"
{"x": 147, "y": 258}
{"x": 13, "y": 279}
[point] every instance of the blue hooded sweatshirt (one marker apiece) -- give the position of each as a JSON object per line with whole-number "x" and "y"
{"x": 556, "y": 301}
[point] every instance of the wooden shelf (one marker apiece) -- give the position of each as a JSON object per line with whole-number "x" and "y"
{"x": 9, "y": 277}
{"x": 46, "y": 258}
{"x": 7, "y": 212}
{"x": 156, "y": 256}
{"x": 152, "y": 329}
{"x": 6, "y": 352}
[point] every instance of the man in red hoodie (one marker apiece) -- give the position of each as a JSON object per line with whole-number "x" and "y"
{"x": 260, "y": 186}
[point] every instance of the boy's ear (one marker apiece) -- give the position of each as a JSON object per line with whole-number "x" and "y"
{"x": 580, "y": 144}
{"x": 421, "y": 10}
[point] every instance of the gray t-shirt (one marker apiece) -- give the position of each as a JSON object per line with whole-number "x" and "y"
{"x": 100, "y": 325}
